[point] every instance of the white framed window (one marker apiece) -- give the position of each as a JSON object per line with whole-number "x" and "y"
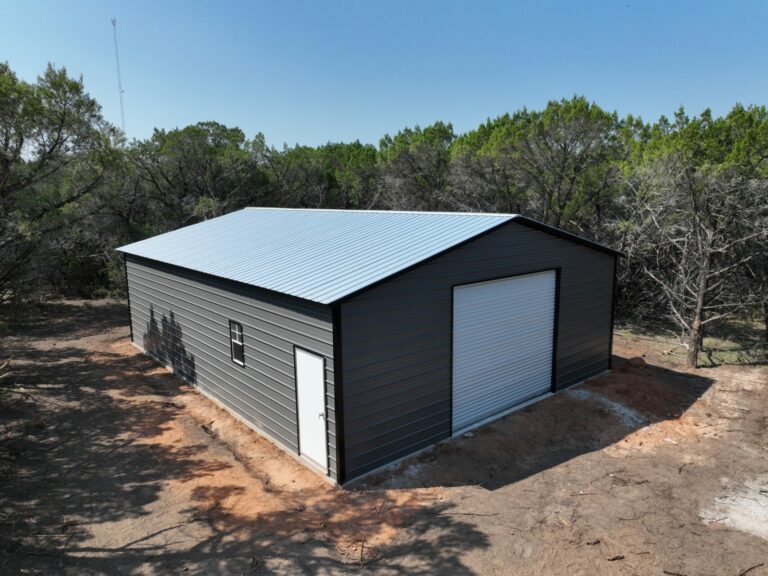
{"x": 237, "y": 342}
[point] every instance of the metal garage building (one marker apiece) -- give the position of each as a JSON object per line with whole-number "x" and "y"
{"x": 353, "y": 338}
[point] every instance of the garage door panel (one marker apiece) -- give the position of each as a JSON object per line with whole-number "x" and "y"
{"x": 532, "y": 363}
{"x": 490, "y": 351}
{"x": 502, "y": 345}
{"x": 475, "y": 335}
{"x": 522, "y": 371}
{"x": 532, "y": 381}
{"x": 488, "y": 313}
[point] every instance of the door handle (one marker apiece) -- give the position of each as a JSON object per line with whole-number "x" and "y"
{"x": 321, "y": 415}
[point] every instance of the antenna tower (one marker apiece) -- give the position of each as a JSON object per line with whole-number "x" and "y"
{"x": 119, "y": 79}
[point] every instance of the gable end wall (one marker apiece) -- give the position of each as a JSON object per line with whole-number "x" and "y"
{"x": 397, "y": 341}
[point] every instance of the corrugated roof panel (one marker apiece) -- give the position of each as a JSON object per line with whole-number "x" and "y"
{"x": 319, "y": 255}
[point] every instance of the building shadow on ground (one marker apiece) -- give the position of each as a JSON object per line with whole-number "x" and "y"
{"x": 586, "y": 418}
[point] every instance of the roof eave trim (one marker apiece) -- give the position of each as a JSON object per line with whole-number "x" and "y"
{"x": 231, "y": 280}
{"x": 525, "y": 221}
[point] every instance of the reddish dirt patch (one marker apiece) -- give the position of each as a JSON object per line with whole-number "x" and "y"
{"x": 150, "y": 464}
{"x": 270, "y": 488}
{"x": 108, "y": 465}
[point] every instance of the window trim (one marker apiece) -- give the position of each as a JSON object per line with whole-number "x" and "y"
{"x": 236, "y": 329}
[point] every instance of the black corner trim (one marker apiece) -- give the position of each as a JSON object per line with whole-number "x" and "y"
{"x": 613, "y": 310}
{"x": 128, "y": 295}
{"x": 450, "y": 367}
{"x": 556, "y": 328}
{"x": 338, "y": 384}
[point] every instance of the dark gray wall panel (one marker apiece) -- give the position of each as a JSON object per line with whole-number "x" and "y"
{"x": 396, "y": 337}
{"x": 182, "y": 318}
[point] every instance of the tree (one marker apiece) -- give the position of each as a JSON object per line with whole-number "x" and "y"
{"x": 55, "y": 153}
{"x": 415, "y": 167}
{"x": 351, "y": 173}
{"x": 483, "y": 174}
{"x": 702, "y": 208}
{"x": 194, "y": 173}
{"x": 293, "y": 176}
{"x": 559, "y": 165}
{"x": 565, "y": 157}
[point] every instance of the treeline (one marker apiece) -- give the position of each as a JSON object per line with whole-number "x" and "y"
{"x": 686, "y": 198}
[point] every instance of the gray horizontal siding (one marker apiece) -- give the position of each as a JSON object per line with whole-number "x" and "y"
{"x": 396, "y": 337}
{"x": 190, "y": 313}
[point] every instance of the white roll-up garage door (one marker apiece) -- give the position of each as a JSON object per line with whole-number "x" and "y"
{"x": 502, "y": 345}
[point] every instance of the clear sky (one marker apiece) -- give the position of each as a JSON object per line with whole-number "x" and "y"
{"x": 315, "y": 71}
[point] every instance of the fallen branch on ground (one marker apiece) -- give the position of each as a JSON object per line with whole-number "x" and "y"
{"x": 743, "y": 572}
{"x": 467, "y": 514}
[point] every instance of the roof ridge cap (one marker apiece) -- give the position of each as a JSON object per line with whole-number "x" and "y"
{"x": 357, "y": 210}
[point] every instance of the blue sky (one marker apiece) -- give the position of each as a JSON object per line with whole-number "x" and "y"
{"x": 318, "y": 71}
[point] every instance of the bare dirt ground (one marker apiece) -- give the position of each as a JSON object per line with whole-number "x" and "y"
{"x": 108, "y": 465}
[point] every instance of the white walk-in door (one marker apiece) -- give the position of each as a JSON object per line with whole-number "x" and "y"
{"x": 502, "y": 345}
{"x": 310, "y": 394}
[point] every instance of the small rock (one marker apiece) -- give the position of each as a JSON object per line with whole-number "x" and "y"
{"x": 670, "y": 441}
{"x": 593, "y": 542}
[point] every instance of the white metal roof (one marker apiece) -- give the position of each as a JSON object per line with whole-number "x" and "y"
{"x": 318, "y": 255}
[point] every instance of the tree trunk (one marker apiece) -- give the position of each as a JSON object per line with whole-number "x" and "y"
{"x": 696, "y": 335}
{"x": 599, "y": 224}
{"x": 765, "y": 319}
{"x": 694, "y": 344}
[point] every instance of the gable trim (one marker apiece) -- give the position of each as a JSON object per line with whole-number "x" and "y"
{"x": 513, "y": 219}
